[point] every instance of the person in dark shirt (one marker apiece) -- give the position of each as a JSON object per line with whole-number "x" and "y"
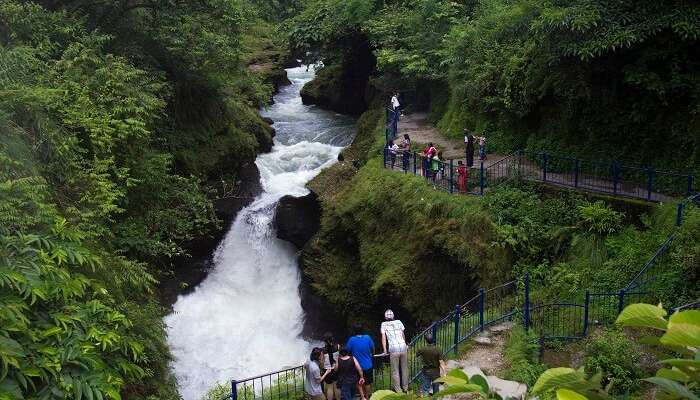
{"x": 330, "y": 359}
{"x": 349, "y": 374}
{"x": 433, "y": 365}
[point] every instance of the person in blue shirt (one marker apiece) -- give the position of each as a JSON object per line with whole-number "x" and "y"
{"x": 362, "y": 348}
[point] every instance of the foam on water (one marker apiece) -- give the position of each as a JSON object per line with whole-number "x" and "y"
{"x": 246, "y": 318}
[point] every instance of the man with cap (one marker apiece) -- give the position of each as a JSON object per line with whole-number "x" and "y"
{"x": 393, "y": 336}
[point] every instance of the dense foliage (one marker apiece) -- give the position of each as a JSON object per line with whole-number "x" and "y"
{"x": 118, "y": 123}
{"x": 616, "y": 80}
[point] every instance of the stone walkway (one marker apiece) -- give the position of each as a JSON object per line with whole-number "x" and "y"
{"x": 421, "y": 131}
{"x": 485, "y": 358}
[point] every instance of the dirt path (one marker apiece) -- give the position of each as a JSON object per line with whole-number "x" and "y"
{"x": 486, "y": 351}
{"x": 417, "y": 126}
{"x": 422, "y": 132}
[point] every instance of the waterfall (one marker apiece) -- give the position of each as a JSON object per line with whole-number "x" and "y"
{"x": 246, "y": 318}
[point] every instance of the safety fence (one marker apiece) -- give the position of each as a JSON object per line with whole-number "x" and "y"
{"x": 607, "y": 177}
{"x": 559, "y": 320}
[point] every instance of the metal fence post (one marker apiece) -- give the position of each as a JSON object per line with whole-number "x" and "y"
{"x": 679, "y": 214}
{"x": 415, "y": 167}
{"x": 620, "y": 301}
{"x": 434, "y": 331}
{"x": 650, "y": 182}
{"x": 451, "y": 176}
{"x": 586, "y": 304}
{"x": 544, "y": 167}
{"x": 456, "y": 321}
{"x": 616, "y": 177}
{"x": 482, "y": 298}
{"x": 576, "y": 172}
{"x": 526, "y": 303}
{"x": 234, "y": 390}
{"x": 482, "y": 178}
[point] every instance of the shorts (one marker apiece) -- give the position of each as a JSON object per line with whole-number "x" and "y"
{"x": 331, "y": 377}
{"x": 368, "y": 374}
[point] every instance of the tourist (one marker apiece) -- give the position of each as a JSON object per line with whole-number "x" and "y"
{"x": 462, "y": 176}
{"x": 469, "y": 144}
{"x": 393, "y": 150}
{"x": 433, "y": 365}
{"x": 330, "y": 358}
{"x": 406, "y": 151}
{"x": 482, "y": 148}
{"x": 436, "y": 166}
{"x": 396, "y": 110}
{"x": 395, "y": 105}
{"x": 394, "y": 341}
{"x": 361, "y": 346}
{"x": 406, "y": 143}
{"x": 350, "y": 375}
{"x": 313, "y": 378}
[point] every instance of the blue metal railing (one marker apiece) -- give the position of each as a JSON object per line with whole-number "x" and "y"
{"x": 607, "y": 177}
{"x": 560, "y": 320}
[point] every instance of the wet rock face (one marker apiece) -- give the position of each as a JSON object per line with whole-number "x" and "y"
{"x": 297, "y": 219}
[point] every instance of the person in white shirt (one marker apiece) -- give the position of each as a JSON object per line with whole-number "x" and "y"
{"x": 395, "y": 102}
{"x": 393, "y": 336}
{"x": 393, "y": 151}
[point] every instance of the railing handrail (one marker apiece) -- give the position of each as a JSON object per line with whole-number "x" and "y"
{"x": 617, "y": 163}
{"x": 287, "y": 369}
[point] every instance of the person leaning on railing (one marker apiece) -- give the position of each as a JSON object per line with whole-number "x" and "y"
{"x": 393, "y": 335}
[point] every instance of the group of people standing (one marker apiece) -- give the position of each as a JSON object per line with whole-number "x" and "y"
{"x": 336, "y": 372}
{"x": 433, "y": 166}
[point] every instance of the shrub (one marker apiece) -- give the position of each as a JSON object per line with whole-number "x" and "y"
{"x": 521, "y": 352}
{"x": 617, "y": 358}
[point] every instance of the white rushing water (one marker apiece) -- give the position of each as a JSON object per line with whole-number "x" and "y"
{"x": 246, "y": 318}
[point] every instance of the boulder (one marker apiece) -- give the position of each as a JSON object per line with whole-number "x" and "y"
{"x": 507, "y": 389}
{"x": 297, "y": 219}
{"x": 453, "y": 364}
{"x": 483, "y": 340}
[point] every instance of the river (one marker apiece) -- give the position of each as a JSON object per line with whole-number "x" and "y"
{"x": 246, "y": 317}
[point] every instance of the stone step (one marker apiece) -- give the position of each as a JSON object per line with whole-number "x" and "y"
{"x": 507, "y": 389}
{"x": 483, "y": 340}
{"x": 502, "y": 327}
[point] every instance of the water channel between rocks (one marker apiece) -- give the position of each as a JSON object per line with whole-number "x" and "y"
{"x": 246, "y": 318}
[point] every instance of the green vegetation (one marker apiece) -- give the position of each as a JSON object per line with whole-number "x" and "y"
{"x": 119, "y": 121}
{"x": 617, "y": 358}
{"x": 612, "y": 80}
{"x": 522, "y": 353}
{"x": 677, "y": 340}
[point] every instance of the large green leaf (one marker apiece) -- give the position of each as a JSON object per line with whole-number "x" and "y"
{"x": 458, "y": 373}
{"x": 566, "y": 394}
{"x": 382, "y": 394}
{"x": 672, "y": 387}
{"x": 643, "y": 315}
{"x": 556, "y": 378}
{"x": 451, "y": 380}
{"x": 683, "y": 330}
{"x": 461, "y": 388}
{"x": 673, "y": 374}
{"x": 481, "y": 381}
